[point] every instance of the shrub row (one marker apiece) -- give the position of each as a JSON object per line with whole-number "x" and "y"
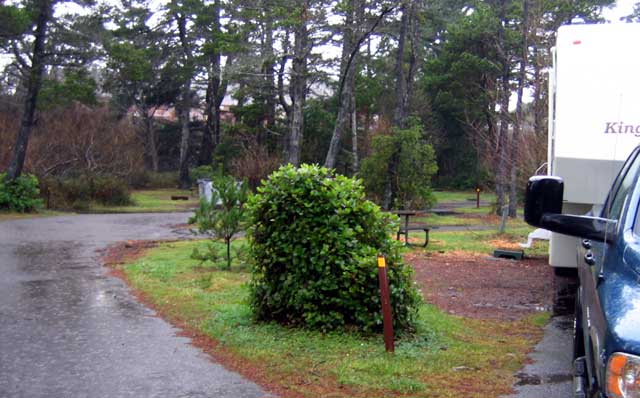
{"x": 79, "y": 192}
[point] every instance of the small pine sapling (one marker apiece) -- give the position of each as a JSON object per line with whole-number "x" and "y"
{"x": 223, "y": 216}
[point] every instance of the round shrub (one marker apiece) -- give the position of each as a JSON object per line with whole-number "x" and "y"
{"x": 314, "y": 240}
{"x": 21, "y": 195}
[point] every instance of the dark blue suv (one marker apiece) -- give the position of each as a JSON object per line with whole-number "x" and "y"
{"x": 607, "y": 315}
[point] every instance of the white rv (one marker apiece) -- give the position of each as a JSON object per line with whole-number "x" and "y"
{"x": 594, "y": 116}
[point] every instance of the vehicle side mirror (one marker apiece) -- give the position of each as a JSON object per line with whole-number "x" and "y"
{"x": 543, "y": 208}
{"x": 543, "y": 196}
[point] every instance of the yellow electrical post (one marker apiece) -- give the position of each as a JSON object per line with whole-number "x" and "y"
{"x": 387, "y": 319}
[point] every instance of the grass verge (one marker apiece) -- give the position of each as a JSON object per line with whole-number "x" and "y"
{"x": 152, "y": 201}
{"x": 448, "y": 356}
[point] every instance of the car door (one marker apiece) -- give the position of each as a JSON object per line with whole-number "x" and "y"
{"x": 592, "y": 262}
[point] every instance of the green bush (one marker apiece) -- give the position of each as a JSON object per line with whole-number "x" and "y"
{"x": 79, "y": 192}
{"x": 415, "y": 162}
{"x": 314, "y": 241}
{"x": 110, "y": 191}
{"x": 21, "y": 195}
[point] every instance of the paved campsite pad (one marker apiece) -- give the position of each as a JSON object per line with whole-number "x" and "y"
{"x": 68, "y": 329}
{"x": 479, "y": 286}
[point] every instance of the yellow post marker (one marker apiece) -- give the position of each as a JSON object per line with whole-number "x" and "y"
{"x": 387, "y": 319}
{"x": 478, "y": 198}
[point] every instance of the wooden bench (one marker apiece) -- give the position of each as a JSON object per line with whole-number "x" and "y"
{"x": 405, "y": 229}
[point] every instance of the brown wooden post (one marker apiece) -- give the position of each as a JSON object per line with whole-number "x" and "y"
{"x": 387, "y": 319}
{"x": 477, "y": 198}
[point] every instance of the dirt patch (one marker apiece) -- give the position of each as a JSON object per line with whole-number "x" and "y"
{"x": 125, "y": 252}
{"x": 484, "y": 287}
{"x": 505, "y": 244}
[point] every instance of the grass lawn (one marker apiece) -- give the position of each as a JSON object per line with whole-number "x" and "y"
{"x": 482, "y": 242}
{"x": 449, "y": 356}
{"x": 463, "y": 196}
{"x": 468, "y": 219}
{"x": 152, "y": 201}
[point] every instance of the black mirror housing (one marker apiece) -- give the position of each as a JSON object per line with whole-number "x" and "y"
{"x": 543, "y": 208}
{"x": 543, "y": 196}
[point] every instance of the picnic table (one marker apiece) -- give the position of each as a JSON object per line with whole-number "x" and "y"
{"x": 406, "y": 227}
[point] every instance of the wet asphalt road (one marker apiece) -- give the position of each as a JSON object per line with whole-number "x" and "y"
{"x": 549, "y": 375}
{"x": 67, "y": 329}
{"x": 550, "y": 371}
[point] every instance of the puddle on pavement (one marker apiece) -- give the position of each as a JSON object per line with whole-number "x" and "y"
{"x": 535, "y": 380}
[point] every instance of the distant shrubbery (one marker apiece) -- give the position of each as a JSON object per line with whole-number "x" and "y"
{"x": 415, "y": 163}
{"x": 200, "y": 172}
{"x": 21, "y": 195}
{"x": 145, "y": 179}
{"x": 75, "y": 140}
{"x": 80, "y": 192}
{"x": 314, "y": 242}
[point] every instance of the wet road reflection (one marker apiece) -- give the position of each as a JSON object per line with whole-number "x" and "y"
{"x": 67, "y": 329}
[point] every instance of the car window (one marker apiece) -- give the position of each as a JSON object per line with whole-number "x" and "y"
{"x": 622, "y": 185}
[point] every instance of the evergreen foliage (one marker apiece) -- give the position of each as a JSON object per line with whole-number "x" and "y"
{"x": 314, "y": 241}
{"x": 411, "y": 182}
{"x": 21, "y": 194}
{"x": 222, "y": 217}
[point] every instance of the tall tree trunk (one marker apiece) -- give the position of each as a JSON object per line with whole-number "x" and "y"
{"x": 353, "y": 37}
{"x": 355, "y": 167}
{"x": 215, "y": 90}
{"x": 268, "y": 69}
{"x": 185, "y": 104}
{"x": 413, "y": 36}
{"x": 185, "y": 181}
{"x": 502, "y": 152}
{"x": 299, "y": 86}
{"x": 281, "y": 70}
{"x": 400, "y": 111}
{"x": 211, "y": 135}
{"x": 207, "y": 146}
{"x": 517, "y": 128}
{"x": 347, "y": 81}
{"x": 152, "y": 140}
{"x": 33, "y": 88}
{"x": 221, "y": 83}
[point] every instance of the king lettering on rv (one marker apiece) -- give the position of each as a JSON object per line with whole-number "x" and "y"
{"x": 621, "y": 128}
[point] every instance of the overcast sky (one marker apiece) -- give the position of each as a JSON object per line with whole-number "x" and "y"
{"x": 622, "y": 9}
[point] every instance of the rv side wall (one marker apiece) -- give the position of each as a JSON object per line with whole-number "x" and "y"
{"x": 594, "y": 97}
